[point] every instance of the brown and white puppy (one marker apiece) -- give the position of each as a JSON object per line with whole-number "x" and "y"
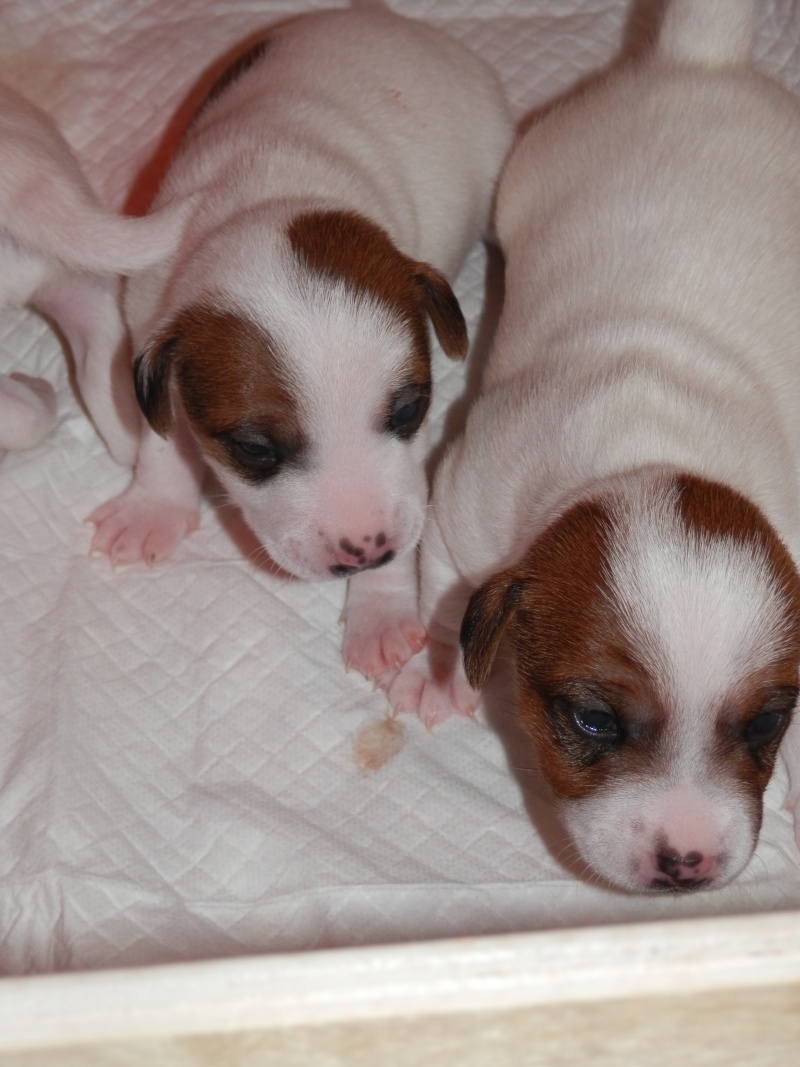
{"x": 623, "y": 505}
{"x": 59, "y": 247}
{"x": 339, "y": 175}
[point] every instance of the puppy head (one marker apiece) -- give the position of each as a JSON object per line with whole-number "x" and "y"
{"x": 302, "y": 363}
{"x": 655, "y": 639}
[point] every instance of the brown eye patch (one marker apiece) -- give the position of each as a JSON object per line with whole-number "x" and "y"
{"x": 564, "y": 625}
{"x": 233, "y": 386}
{"x": 582, "y": 695}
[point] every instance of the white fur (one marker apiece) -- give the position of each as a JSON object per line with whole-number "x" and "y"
{"x": 651, "y": 325}
{"x": 361, "y": 479}
{"x": 616, "y": 829}
{"x": 703, "y": 613}
{"x": 57, "y": 241}
{"x": 350, "y": 111}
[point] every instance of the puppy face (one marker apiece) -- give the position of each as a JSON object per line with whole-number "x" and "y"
{"x": 655, "y": 638}
{"x": 302, "y": 364}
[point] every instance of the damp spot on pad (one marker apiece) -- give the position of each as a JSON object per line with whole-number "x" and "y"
{"x": 377, "y": 743}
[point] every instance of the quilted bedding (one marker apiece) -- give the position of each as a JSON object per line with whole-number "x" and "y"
{"x": 179, "y": 768}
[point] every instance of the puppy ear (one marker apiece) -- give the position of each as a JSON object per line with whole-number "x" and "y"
{"x": 488, "y": 613}
{"x": 440, "y": 302}
{"x": 152, "y": 373}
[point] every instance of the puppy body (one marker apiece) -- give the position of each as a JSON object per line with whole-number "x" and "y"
{"x": 58, "y": 248}
{"x": 345, "y": 170}
{"x": 623, "y": 504}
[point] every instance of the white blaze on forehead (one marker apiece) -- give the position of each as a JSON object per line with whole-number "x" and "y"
{"x": 344, "y": 350}
{"x": 700, "y": 612}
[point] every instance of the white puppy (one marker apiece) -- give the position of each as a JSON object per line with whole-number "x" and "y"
{"x": 56, "y": 243}
{"x": 340, "y": 171}
{"x": 623, "y": 504}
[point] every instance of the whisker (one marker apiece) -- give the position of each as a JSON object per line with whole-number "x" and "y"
{"x": 222, "y": 498}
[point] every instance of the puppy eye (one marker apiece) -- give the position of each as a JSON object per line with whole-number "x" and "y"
{"x": 257, "y": 452}
{"x": 406, "y": 414}
{"x": 772, "y": 718}
{"x": 766, "y": 725}
{"x": 598, "y": 723}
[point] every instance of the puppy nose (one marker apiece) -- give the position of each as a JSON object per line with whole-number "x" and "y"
{"x": 366, "y": 553}
{"x": 676, "y": 871}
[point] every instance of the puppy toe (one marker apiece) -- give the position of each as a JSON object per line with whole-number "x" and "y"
{"x": 406, "y": 690}
{"x": 380, "y": 652}
{"x": 402, "y": 641}
{"x": 163, "y": 537}
{"x": 432, "y": 685}
{"x": 128, "y": 530}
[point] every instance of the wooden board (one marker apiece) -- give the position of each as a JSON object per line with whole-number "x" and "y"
{"x": 719, "y": 991}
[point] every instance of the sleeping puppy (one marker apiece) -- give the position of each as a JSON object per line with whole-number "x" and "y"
{"x": 58, "y": 247}
{"x": 340, "y": 173}
{"x": 623, "y": 504}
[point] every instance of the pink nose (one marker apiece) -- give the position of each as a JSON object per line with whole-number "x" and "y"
{"x": 353, "y": 555}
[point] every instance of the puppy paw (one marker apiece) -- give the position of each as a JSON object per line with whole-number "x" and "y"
{"x": 379, "y": 650}
{"x": 136, "y": 527}
{"x": 433, "y": 685}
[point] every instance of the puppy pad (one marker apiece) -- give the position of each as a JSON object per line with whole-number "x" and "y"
{"x": 179, "y": 776}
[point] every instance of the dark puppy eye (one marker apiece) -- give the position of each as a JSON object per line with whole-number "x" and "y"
{"x": 406, "y": 414}
{"x": 596, "y": 721}
{"x": 764, "y": 727}
{"x": 257, "y": 452}
{"x": 771, "y": 719}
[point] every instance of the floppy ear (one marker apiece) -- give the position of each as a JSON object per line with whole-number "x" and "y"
{"x": 440, "y": 302}
{"x": 488, "y": 613}
{"x": 152, "y": 373}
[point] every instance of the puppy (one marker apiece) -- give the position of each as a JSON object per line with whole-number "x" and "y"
{"x": 58, "y": 245}
{"x": 623, "y": 504}
{"x": 340, "y": 173}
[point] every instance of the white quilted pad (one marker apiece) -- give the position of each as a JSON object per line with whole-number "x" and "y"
{"x": 177, "y": 777}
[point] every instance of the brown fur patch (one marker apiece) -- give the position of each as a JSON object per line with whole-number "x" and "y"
{"x": 230, "y": 378}
{"x": 348, "y": 246}
{"x": 715, "y": 510}
{"x": 569, "y": 652}
{"x": 569, "y": 649}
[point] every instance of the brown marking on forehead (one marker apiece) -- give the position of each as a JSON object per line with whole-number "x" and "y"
{"x": 715, "y": 510}
{"x": 231, "y": 380}
{"x": 732, "y": 757}
{"x": 568, "y": 648}
{"x": 565, "y": 633}
{"x": 569, "y": 651}
{"x": 345, "y": 245}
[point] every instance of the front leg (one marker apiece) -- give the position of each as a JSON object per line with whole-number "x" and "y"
{"x": 87, "y": 310}
{"x": 433, "y": 683}
{"x": 382, "y": 629}
{"x": 160, "y": 506}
